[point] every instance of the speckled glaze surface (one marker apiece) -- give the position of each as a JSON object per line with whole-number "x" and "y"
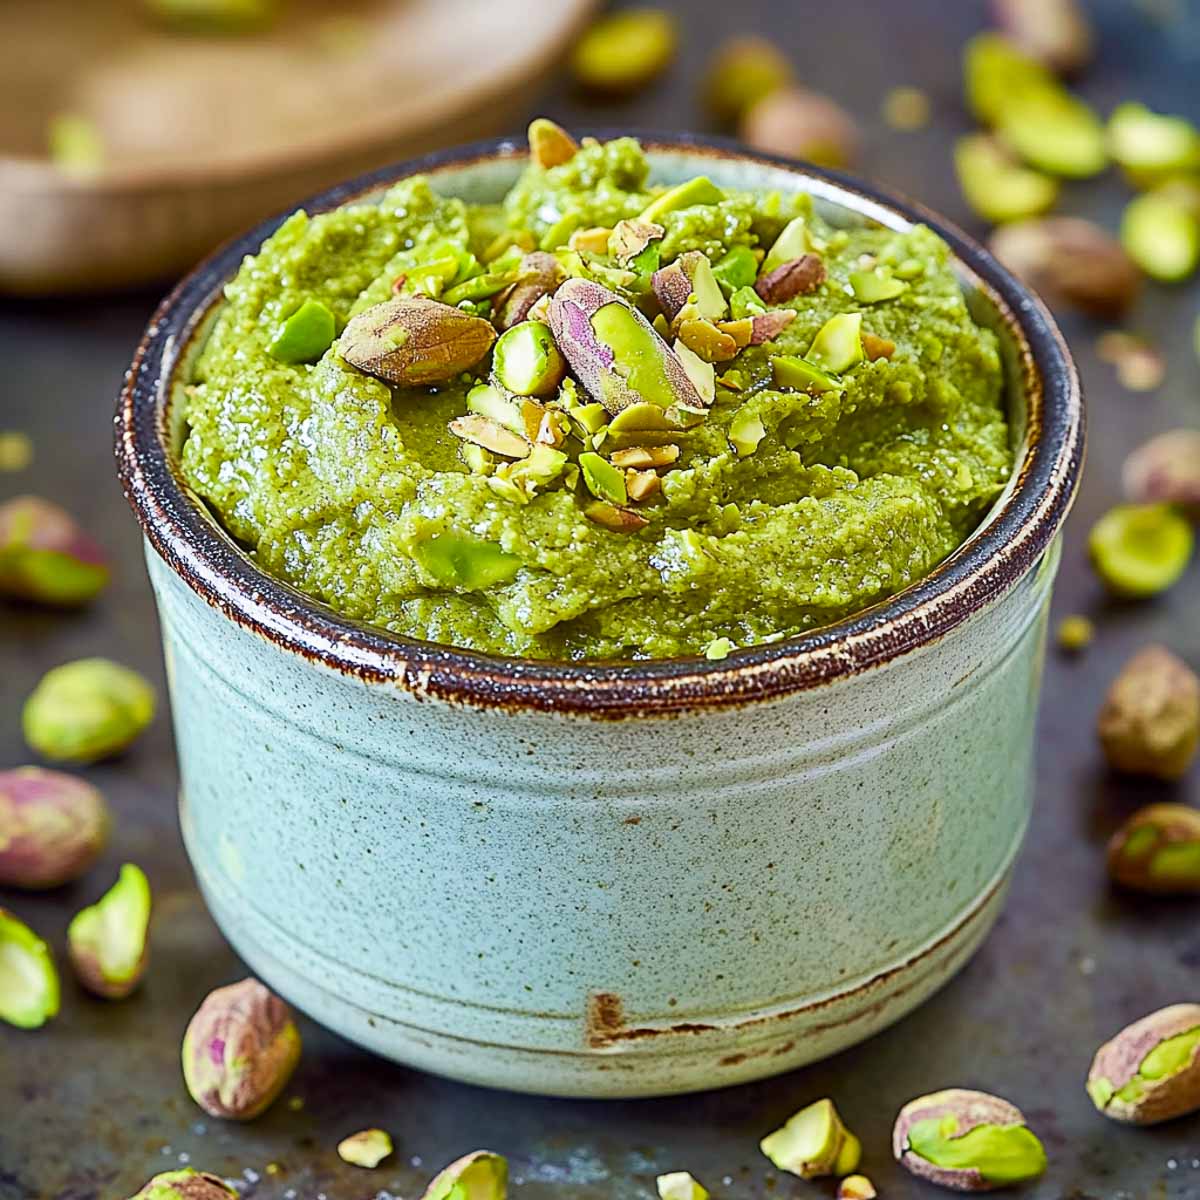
{"x": 609, "y": 881}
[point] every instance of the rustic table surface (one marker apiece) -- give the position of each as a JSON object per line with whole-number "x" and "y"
{"x": 94, "y": 1104}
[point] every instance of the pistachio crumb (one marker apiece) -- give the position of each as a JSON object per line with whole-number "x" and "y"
{"x": 1075, "y": 633}
{"x": 906, "y": 109}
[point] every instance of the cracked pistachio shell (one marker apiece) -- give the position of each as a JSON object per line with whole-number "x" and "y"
{"x": 480, "y": 1175}
{"x": 414, "y": 342}
{"x": 239, "y": 1051}
{"x": 45, "y": 556}
{"x": 52, "y": 827}
{"x": 108, "y": 940}
{"x": 614, "y": 351}
{"x": 367, "y": 1148}
{"x": 680, "y": 1185}
{"x": 87, "y": 710}
{"x": 967, "y": 1141}
{"x": 1158, "y": 850}
{"x": 814, "y": 1142}
{"x": 29, "y": 989}
{"x": 1150, "y": 1071}
{"x": 186, "y": 1184}
{"x": 1165, "y": 470}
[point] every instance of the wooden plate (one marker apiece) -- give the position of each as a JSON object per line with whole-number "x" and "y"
{"x": 205, "y": 134}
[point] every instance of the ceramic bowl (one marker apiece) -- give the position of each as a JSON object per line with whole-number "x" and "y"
{"x": 608, "y": 880}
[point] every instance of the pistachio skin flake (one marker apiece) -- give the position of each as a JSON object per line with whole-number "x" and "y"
{"x": 52, "y": 827}
{"x": 1139, "y": 550}
{"x": 680, "y": 1185}
{"x": 623, "y": 52}
{"x": 813, "y": 1142}
{"x": 186, "y": 1184}
{"x": 1150, "y": 1072}
{"x": 798, "y": 123}
{"x": 29, "y": 987}
{"x": 1158, "y": 850}
{"x": 480, "y": 1175}
{"x": 967, "y": 1141}
{"x": 108, "y": 940}
{"x": 87, "y": 710}
{"x": 239, "y": 1051}
{"x": 1165, "y": 470}
{"x": 367, "y": 1148}
{"x": 45, "y": 557}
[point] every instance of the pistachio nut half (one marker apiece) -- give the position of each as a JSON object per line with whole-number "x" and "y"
{"x": 108, "y": 940}
{"x": 480, "y": 1175}
{"x": 367, "y": 1148}
{"x": 29, "y": 987}
{"x": 186, "y": 1184}
{"x": 813, "y": 1142}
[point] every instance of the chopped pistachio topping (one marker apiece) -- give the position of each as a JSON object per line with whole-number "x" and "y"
{"x": 305, "y": 335}
{"x": 699, "y": 190}
{"x": 603, "y": 480}
{"x": 838, "y": 344}
{"x": 466, "y": 563}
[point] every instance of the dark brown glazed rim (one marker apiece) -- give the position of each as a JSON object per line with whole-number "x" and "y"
{"x": 189, "y": 540}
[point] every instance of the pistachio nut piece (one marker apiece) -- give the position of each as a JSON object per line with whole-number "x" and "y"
{"x": 995, "y": 69}
{"x": 630, "y": 240}
{"x": 1151, "y": 147}
{"x": 1150, "y": 721}
{"x": 1075, "y": 633}
{"x": 1165, "y": 470}
{"x": 613, "y": 517}
{"x": 680, "y": 1185}
{"x": 305, "y": 335}
{"x": 697, "y": 190}
{"x": 875, "y": 286}
{"x": 995, "y": 185}
{"x": 367, "y": 1148}
{"x": 800, "y": 375}
{"x": 239, "y": 1051}
{"x": 708, "y": 340}
{"x": 186, "y": 1184}
{"x": 743, "y": 71}
{"x": 414, "y": 342}
{"x": 687, "y": 289}
{"x": 550, "y": 145}
{"x": 1140, "y": 550}
{"x": 465, "y": 563}
{"x": 856, "y": 1187}
{"x": 745, "y": 432}
{"x": 602, "y": 479}
{"x": 480, "y": 1175}
{"x": 736, "y": 268}
{"x": 1070, "y": 261}
{"x": 491, "y": 435}
{"x": 797, "y": 277}
{"x": 87, "y": 710}
{"x": 29, "y": 990}
{"x": 614, "y": 351}
{"x": 968, "y": 1141}
{"x": 1054, "y": 131}
{"x": 1054, "y": 32}
{"x": 526, "y": 361}
{"x": 1161, "y": 232}
{"x": 838, "y": 344}
{"x": 793, "y": 241}
{"x": 1158, "y": 850}
{"x": 45, "y": 556}
{"x": 623, "y": 52}
{"x": 108, "y": 940}
{"x": 1150, "y": 1071}
{"x": 813, "y": 1142}
{"x": 52, "y": 827}
{"x": 798, "y": 123}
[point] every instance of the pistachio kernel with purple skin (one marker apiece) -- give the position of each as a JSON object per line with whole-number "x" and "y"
{"x": 52, "y": 827}
{"x": 539, "y": 273}
{"x": 186, "y": 1184}
{"x": 480, "y": 1175}
{"x": 1150, "y": 1072}
{"x": 45, "y": 557}
{"x": 239, "y": 1051}
{"x": 798, "y": 277}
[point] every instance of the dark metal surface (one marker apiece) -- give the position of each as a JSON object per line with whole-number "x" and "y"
{"x": 93, "y": 1104}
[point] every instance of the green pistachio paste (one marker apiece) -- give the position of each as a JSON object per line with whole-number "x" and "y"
{"x": 865, "y": 468}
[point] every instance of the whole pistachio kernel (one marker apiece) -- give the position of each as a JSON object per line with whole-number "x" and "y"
{"x": 743, "y": 71}
{"x": 186, "y": 1184}
{"x": 1140, "y": 550}
{"x": 1150, "y": 1072}
{"x": 526, "y": 361}
{"x": 813, "y": 1142}
{"x": 239, "y": 1051}
{"x": 46, "y": 557}
{"x": 1158, "y": 850}
{"x": 108, "y": 940}
{"x": 1055, "y": 132}
{"x": 1161, "y": 232}
{"x": 995, "y": 185}
{"x": 480, "y": 1175}
{"x": 968, "y": 1141}
{"x": 623, "y": 52}
{"x": 367, "y": 1148}
{"x": 1151, "y": 147}
{"x": 29, "y": 989}
{"x": 52, "y": 827}
{"x": 305, "y": 335}
{"x": 995, "y": 69}
{"x": 87, "y": 710}
{"x": 680, "y": 1185}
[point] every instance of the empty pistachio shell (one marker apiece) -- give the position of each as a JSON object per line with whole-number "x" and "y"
{"x": 239, "y": 1051}
{"x": 742, "y": 72}
{"x": 968, "y": 1141}
{"x": 415, "y": 342}
{"x": 1165, "y": 470}
{"x": 1140, "y": 549}
{"x": 480, "y": 1175}
{"x": 813, "y": 1142}
{"x": 45, "y": 556}
{"x": 538, "y": 275}
{"x": 624, "y": 51}
{"x": 1158, "y": 850}
{"x": 797, "y": 123}
{"x": 52, "y": 827}
{"x": 1055, "y": 32}
{"x": 1150, "y": 1071}
{"x": 29, "y": 990}
{"x": 87, "y": 710}
{"x": 550, "y": 145}
{"x": 798, "y": 277}
{"x": 614, "y": 352}
{"x": 108, "y": 940}
{"x": 996, "y": 186}
{"x": 679, "y": 1185}
{"x": 367, "y": 1148}
{"x": 1070, "y": 261}
{"x": 1150, "y": 721}
{"x": 186, "y": 1184}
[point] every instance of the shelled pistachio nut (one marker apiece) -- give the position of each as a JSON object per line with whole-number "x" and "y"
{"x": 1158, "y": 850}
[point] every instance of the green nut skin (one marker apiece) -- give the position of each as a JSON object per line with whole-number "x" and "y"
{"x": 1161, "y": 233}
{"x": 1140, "y": 550}
{"x": 813, "y": 1142}
{"x": 742, "y": 72}
{"x": 526, "y": 361}
{"x": 87, "y": 710}
{"x": 52, "y": 827}
{"x": 1158, "y": 850}
{"x": 29, "y": 994}
{"x": 623, "y": 52}
{"x": 480, "y": 1175}
{"x": 1150, "y": 1072}
{"x": 186, "y": 1184}
{"x": 967, "y": 1141}
{"x": 108, "y": 940}
{"x": 239, "y": 1051}
{"x": 995, "y": 185}
{"x": 45, "y": 557}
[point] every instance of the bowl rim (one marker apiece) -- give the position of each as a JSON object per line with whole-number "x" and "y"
{"x": 992, "y": 560}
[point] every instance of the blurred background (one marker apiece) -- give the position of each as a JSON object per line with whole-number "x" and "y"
{"x": 134, "y": 136}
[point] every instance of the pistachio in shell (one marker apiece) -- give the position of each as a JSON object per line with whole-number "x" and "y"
{"x": 52, "y": 827}
{"x": 539, "y": 273}
{"x": 1150, "y": 1072}
{"x": 614, "y": 351}
{"x": 797, "y": 277}
{"x": 1165, "y": 470}
{"x": 813, "y": 1142}
{"x": 412, "y": 341}
{"x": 1158, "y": 850}
{"x": 550, "y": 145}
{"x": 480, "y": 1175}
{"x": 966, "y": 1140}
{"x": 108, "y": 940}
{"x": 799, "y": 123}
{"x": 46, "y": 557}
{"x": 239, "y": 1051}
{"x": 186, "y": 1184}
